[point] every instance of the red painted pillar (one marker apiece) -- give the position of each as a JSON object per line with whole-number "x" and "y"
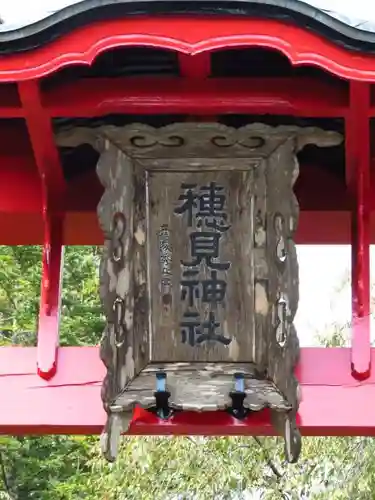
{"x": 357, "y": 143}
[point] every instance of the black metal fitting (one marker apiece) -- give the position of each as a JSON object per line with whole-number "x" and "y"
{"x": 238, "y": 397}
{"x": 162, "y": 396}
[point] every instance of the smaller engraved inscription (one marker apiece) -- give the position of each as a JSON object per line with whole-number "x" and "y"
{"x": 205, "y": 211}
{"x": 165, "y": 252}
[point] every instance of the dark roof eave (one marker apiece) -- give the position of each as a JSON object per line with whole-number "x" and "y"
{"x": 80, "y": 14}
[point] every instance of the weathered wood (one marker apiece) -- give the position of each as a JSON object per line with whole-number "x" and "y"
{"x": 196, "y": 140}
{"x": 160, "y": 185}
{"x": 201, "y": 387}
{"x": 123, "y": 290}
{"x": 282, "y": 218}
{"x": 234, "y": 312}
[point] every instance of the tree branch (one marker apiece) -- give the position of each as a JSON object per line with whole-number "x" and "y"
{"x": 4, "y": 476}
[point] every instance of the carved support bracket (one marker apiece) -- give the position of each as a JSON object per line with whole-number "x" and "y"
{"x": 53, "y": 188}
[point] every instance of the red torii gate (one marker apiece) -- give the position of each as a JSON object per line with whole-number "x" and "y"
{"x": 49, "y": 389}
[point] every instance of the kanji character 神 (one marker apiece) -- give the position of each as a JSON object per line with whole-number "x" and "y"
{"x": 190, "y": 287}
{"x": 211, "y": 290}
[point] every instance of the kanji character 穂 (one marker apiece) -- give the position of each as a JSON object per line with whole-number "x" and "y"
{"x": 211, "y": 207}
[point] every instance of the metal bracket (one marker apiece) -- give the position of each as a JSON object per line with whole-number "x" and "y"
{"x": 238, "y": 397}
{"x": 161, "y": 396}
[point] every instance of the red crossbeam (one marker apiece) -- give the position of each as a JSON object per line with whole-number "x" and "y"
{"x": 191, "y": 95}
{"x": 333, "y": 403}
{"x": 278, "y": 96}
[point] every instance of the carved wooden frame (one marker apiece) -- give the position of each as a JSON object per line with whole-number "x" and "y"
{"x": 126, "y": 153}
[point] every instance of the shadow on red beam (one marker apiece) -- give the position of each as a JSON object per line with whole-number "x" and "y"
{"x": 223, "y": 424}
{"x": 301, "y": 97}
{"x": 81, "y": 228}
{"x": 333, "y": 402}
{"x": 201, "y": 424}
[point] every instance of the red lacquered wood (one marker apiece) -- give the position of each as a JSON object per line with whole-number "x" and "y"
{"x": 50, "y": 297}
{"x": 280, "y": 96}
{"x": 324, "y": 219}
{"x": 81, "y": 228}
{"x": 195, "y": 67}
{"x": 43, "y": 145}
{"x": 358, "y": 181}
{"x": 53, "y": 187}
{"x": 189, "y": 35}
{"x": 70, "y": 403}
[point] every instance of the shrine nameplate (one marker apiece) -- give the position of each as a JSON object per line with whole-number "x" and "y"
{"x": 201, "y": 265}
{"x": 199, "y": 274}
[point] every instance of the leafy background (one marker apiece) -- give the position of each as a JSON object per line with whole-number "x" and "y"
{"x": 168, "y": 468}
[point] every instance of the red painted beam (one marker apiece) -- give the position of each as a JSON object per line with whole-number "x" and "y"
{"x": 324, "y": 219}
{"x": 20, "y": 188}
{"x": 357, "y": 145}
{"x": 10, "y": 104}
{"x": 196, "y": 66}
{"x": 81, "y": 228}
{"x": 297, "y": 96}
{"x": 333, "y": 402}
{"x": 191, "y": 95}
{"x": 190, "y": 35}
{"x": 53, "y": 188}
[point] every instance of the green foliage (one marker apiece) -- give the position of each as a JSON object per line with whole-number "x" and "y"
{"x": 44, "y": 468}
{"x": 20, "y": 274}
{"x": 50, "y": 467}
{"x": 168, "y": 468}
{"x": 20, "y": 269}
{"x": 82, "y": 318}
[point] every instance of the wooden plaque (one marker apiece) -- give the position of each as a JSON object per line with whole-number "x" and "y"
{"x": 201, "y": 264}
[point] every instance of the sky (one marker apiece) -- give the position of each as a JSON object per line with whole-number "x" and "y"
{"x": 325, "y": 293}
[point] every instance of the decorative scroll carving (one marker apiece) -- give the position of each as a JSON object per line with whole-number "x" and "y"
{"x": 203, "y": 140}
{"x": 199, "y": 306}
